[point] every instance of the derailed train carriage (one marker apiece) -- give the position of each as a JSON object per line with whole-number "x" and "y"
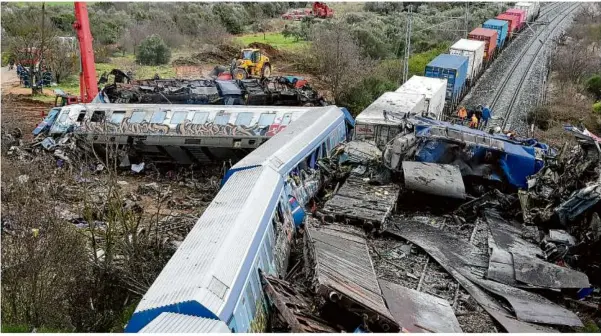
{"x": 212, "y": 282}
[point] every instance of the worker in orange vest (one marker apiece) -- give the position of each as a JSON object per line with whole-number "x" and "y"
{"x": 462, "y": 114}
{"x": 474, "y": 121}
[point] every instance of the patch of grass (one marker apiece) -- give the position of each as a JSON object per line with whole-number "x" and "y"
{"x": 589, "y": 327}
{"x": 18, "y": 328}
{"x": 128, "y": 62}
{"x": 276, "y": 40}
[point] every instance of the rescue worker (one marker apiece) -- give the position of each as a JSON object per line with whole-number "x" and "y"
{"x": 462, "y": 114}
{"x": 474, "y": 121}
{"x": 478, "y": 113}
{"x": 486, "y": 115}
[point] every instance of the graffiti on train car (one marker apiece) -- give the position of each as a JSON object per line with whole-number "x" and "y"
{"x": 185, "y": 128}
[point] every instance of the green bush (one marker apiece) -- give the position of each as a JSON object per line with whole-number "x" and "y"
{"x": 540, "y": 117}
{"x": 5, "y": 58}
{"x": 593, "y": 86}
{"x": 597, "y": 107}
{"x": 363, "y": 94}
{"x": 153, "y": 51}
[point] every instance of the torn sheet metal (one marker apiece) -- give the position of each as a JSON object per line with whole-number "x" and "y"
{"x": 344, "y": 273}
{"x": 293, "y": 307}
{"x": 419, "y": 312}
{"x": 433, "y": 178}
{"x": 540, "y": 273}
{"x": 578, "y": 203}
{"x": 358, "y": 200}
{"x": 465, "y": 258}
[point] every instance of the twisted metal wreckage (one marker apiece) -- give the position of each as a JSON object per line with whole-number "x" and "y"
{"x": 497, "y": 180}
{"x": 272, "y": 91}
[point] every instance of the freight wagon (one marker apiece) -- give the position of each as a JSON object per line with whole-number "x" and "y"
{"x": 489, "y": 37}
{"x": 434, "y": 91}
{"x": 520, "y": 14}
{"x": 474, "y": 51}
{"x": 502, "y": 28}
{"x": 455, "y": 69}
{"x": 532, "y": 9}
{"x": 512, "y": 21}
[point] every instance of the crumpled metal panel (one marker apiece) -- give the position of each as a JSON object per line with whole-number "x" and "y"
{"x": 434, "y": 179}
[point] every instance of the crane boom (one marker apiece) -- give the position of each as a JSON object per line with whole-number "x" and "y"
{"x": 88, "y": 89}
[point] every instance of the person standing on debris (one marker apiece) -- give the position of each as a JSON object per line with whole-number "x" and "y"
{"x": 156, "y": 76}
{"x": 486, "y": 115}
{"x": 462, "y": 114}
{"x": 474, "y": 121}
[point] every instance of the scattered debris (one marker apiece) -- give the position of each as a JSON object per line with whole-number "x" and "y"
{"x": 419, "y": 312}
{"x": 344, "y": 274}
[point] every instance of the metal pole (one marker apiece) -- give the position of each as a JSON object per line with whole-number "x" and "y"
{"x": 407, "y": 45}
{"x": 467, "y": 13}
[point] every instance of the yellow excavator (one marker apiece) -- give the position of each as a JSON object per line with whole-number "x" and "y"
{"x": 252, "y": 63}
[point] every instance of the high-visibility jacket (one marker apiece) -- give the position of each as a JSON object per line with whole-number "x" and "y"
{"x": 462, "y": 113}
{"x": 474, "y": 121}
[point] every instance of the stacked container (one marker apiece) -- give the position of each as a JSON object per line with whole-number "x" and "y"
{"x": 384, "y": 118}
{"x": 512, "y": 21}
{"x": 454, "y": 69}
{"x": 532, "y": 9}
{"x": 502, "y": 28}
{"x": 433, "y": 89}
{"x": 474, "y": 51}
{"x": 520, "y": 14}
{"x": 489, "y": 37}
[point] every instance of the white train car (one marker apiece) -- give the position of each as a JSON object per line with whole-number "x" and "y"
{"x": 247, "y": 229}
{"x": 433, "y": 89}
{"x": 532, "y": 9}
{"x": 385, "y": 117}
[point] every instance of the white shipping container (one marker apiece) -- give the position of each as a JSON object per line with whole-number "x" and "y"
{"x": 433, "y": 89}
{"x": 383, "y": 119}
{"x": 531, "y": 9}
{"x": 474, "y": 51}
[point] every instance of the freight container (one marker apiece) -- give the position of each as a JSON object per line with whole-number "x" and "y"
{"x": 532, "y": 9}
{"x": 474, "y": 51}
{"x": 512, "y": 21}
{"x": 454, "y": 69}
{"x": 384, "y": 118}
{"x": 502, "y": 28}
{"x": 489, "y": 37}
{"x": 520, "y": 14}
{"x": 433, "y": 89}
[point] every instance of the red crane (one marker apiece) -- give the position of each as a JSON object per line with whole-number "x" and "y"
{"x": 88, "y": 89}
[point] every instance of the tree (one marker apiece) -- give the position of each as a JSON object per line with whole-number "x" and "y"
{"x": 62, "y": 58}
{"x": 153, "y": 51}
{"x": 28, "y": 32}
{"x": 593, "y": 86}
{"x": 338, "y": 58}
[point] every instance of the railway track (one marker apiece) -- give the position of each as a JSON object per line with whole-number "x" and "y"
{"x": 504, "y": 102}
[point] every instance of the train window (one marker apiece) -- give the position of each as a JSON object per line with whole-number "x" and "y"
{"x": 286, "y": 119}
{"x": 117, "y": 117}
{"x": 250, "y": 302}
{"x": 264, "y": 259}
{"x": 266, "y": 119}
{"x": 64, "y": 117}
{"x": 158, "y": 117}
{"x": 244, "y": 118}
{"x": 81, "y": 115}
{"x": 200, "y": 117}
{"x": 222, "y": 119}
{"x": 137, "y": 117}
{"x": 97, "y": 116}
{"x": 178, "y": 117}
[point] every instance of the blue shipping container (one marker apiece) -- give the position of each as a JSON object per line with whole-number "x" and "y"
{"x": 454, "y": 69}
{"x": 502, "y": 28}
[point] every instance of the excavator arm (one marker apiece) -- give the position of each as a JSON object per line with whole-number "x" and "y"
{"x": 88, "y": 88}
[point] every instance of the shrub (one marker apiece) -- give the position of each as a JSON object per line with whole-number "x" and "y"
{"x": 593, "y": 86}
{"x": 597, "y": 107}
{"x": 153, "y": 51}
{"x": 540, "y": 117}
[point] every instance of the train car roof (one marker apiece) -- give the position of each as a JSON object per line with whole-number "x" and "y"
{"x": 206, "y": 269}
{"x": 180, "y": 323}
{"x": 282, "y": 149}
{"x": 397, "y": 104}
{"x": 236, "y": 108}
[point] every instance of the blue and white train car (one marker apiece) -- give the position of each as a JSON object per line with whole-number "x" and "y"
{"x": 247, "y": 229}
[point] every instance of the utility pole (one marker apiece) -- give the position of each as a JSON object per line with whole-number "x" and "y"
{"x": 467, "y": 18}
{"x": 39, "y": 72}
{"x": 407, "y": 44}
